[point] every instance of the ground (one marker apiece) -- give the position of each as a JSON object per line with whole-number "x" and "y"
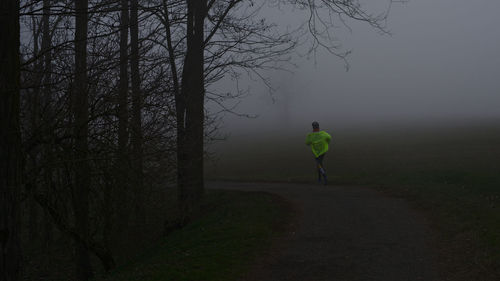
{"x": 346, "y": 233}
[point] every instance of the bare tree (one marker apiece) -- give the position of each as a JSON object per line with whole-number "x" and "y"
{"x": 46, "y": 97}
{"x": 122, "y": 159}
{"x": 191, "y": 110}
{"x": 10, "y": 143}
{"x": 136, "y": 138}
{"x": 208, "y": 39}
{"x": 81, "y": 131}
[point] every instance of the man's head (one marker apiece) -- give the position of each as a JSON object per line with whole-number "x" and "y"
{"x": 315, "y": 125}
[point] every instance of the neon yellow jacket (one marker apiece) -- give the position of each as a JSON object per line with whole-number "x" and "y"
{"x": 319, "y": 142}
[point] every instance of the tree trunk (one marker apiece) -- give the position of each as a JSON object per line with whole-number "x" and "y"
{"x": 136, "y": 137}
{"x": 47, "y": 119}
{"x": 34, "y": 101}
{"x": 81, "y": 164}
{"x": 190, "y": 144}
{"x": 10, "y": 143}
{"x": 122, "y": 171}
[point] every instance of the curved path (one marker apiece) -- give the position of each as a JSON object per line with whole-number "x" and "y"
{"x": 346, "y": 233}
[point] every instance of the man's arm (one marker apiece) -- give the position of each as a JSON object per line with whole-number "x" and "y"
{"x": 328, "y": 137}
{"x": 308, "y": 140}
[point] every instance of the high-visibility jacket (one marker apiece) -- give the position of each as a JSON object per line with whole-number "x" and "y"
{"x": 319, "y": 142}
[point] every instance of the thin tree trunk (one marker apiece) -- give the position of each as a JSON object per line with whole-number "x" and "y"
{"x": 108, "y": 211}
{"x": 122, "y": 182}
{"x": 10, "y": 143}
{"x": 82, "y": 167}
{"x": 181, "y": 100}
{"x": 46, "y": 44}
{"x": 47, "y": 117}
{"x": 136, "y": 137}
{"x": 33, "y": 100}
{"x": 180, "y": 107}
{"x": 190, "y": 164}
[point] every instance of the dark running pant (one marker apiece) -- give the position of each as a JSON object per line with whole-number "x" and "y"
{"x": 319, "y": 163}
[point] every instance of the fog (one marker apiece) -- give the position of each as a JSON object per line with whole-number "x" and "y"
{"x": 439, "y": 65}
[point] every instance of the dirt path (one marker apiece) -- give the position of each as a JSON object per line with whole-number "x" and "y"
{"x": 344, "y": 234}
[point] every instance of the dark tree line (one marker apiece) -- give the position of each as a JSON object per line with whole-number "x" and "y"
{"x": 103, "y": 107}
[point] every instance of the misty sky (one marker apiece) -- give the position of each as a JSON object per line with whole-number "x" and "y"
{"x": 441, "y": 62}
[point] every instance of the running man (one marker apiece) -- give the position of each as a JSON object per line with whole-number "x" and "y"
{"x": 319, "y": 140}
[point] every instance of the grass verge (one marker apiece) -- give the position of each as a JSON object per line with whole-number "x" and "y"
{"x": 220, "y": 245}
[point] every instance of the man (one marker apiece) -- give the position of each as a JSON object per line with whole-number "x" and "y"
{"x": 319, "y": 140}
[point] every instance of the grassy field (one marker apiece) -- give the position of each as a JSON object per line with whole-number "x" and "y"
{"x": 220, "y": 245}
{"x": 451, "y": 173}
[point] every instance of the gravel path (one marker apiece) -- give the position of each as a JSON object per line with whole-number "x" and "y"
{"x": 346, "y": 233}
